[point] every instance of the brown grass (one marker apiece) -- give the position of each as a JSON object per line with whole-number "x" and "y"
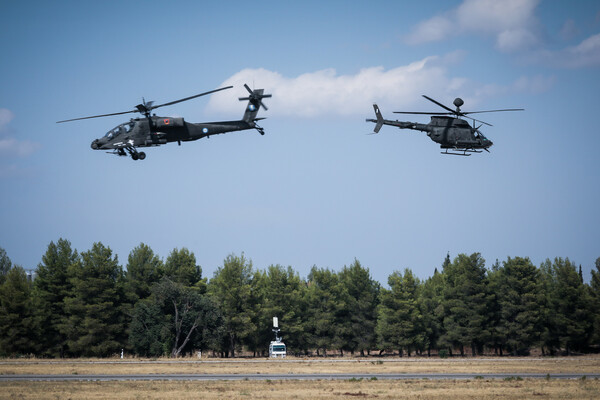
{"x": 412, "y": 389}
{"x": 582, "y": 365}
{"x": 322, "y": 389}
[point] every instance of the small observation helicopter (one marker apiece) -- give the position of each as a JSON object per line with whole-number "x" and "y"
{"x": 155, "y": 131}
{"x": 446, "y": 128}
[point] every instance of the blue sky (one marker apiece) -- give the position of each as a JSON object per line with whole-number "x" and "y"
{"x": 315, "y": 190}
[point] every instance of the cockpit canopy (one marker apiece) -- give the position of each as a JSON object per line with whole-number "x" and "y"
{"x": 120, "y": 130}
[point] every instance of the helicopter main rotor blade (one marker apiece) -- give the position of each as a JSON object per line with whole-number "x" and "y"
{"x": 189, "y": 98}
{"x": 483, "y": 122}
{"x": 146, "y": 107}
{"x": 487, "y": 111}
{"x": 423, "y": 113}
{"x": 440, "y": 104}
{"x": 98, "y": 116}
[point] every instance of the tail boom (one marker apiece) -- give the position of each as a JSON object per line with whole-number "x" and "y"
{"x": 379, "y": 122}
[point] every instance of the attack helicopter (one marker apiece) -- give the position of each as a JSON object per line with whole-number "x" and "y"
{"x": 152, "y": 130}
{"x": 446, "y": 128}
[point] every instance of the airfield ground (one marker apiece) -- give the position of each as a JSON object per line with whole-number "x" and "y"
{"x": 480, "y": 388}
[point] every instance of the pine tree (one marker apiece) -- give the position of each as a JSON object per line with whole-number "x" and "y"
{"x": 549, "y": 333}
{"x": 595, "y": 303}
{"x": 360, "y": 311}
{"x": 400, "y": 323}
{"x": 231, "y": 287}
{"x": 95, "y": 325}
{"x": 282, "y": 296}
{"x": 466, "y": 304}
{"x": 430, "y": 297}
{"x": 180, "y": 266}
{"x": 5, "y": 265}
{"x": 51, "y": 286}
{"x": 18, "y": 327}
{"x": 144, "y": 269}
{"x": 174, "y": 320}
{"x": 571, "y": 305}
{"x": 322, "y": 299}
{"x": 520, "y": 300}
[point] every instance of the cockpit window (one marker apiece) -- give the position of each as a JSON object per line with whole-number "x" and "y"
{"x": 112, "y": 133}
{"x": 123, "y": 128}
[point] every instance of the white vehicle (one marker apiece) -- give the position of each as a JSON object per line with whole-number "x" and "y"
{"x": 277, "y": 349}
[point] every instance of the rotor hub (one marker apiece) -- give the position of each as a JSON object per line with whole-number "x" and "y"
{"x": 458, "y": 102}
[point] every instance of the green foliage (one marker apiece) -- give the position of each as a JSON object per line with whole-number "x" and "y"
{"x": 519, "y": 298}
{"x": 323, "y": 295}
{"x": 429, "y": 299}
{"x": 400, "y": 324}
{"x": 279, "y": 292}
{"x": 5, "y": 265}
{"x": 231, "y": 287}
{"x": 150, "y": 329}
{"x": 51, "y": 286}
{"x": 144, "y": 269}
{"x": 85, "y": 305}
{"x": 175, "y": 319}
{"x": 465, "y": 304}
{"x": 571, "y": 307}
{"x": 181, "y": 267}
{"x": 359, "y": 314}
{"x": 17, "y": 321}
{"x": 95, "y": 319}
{"x": 595, "y": 303}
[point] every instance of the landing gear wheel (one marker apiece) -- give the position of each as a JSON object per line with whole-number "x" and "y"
{"x": 134, "y": 156}
{"x": 142, "y": 155}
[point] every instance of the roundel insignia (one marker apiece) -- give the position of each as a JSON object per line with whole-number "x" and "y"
{"x": 251, "y": 107}
{"x": 167, "y": 121}
{"x": 205, "y": 130}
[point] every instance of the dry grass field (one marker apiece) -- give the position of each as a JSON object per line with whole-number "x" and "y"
{"x": 412, "y": 389}
{"x": 480, "y": 365}
{"x": 321, "y": 389}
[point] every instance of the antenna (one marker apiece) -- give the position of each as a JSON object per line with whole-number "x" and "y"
{"x": 276, "y": 329}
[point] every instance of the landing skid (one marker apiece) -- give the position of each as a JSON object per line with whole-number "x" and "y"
{"x": 464, "y": 152}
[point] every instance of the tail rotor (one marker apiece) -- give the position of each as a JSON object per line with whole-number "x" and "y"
{"x": 255, "y": 97}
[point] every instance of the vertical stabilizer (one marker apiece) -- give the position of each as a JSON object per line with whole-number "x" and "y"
{"x": 378, "y": 121}
{"x": 254, "y": 103}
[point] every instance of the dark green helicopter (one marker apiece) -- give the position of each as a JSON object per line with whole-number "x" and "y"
{"x": 153, "y": 130}
{"x": 446, "y": 128}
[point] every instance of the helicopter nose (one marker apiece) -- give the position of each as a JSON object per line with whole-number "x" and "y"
{"x": 95, "y": 144}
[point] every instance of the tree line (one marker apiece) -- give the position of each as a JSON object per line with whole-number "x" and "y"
{"x": 87, "y": 305}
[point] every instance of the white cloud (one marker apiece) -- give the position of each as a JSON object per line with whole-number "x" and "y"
{"x": 10, "y": 146}
{"x": 19, "y": 148}
{"x": 526, "y": 84}
{"x": 5, "y": 117}
{"x": 324, "y": 93}
{"x": 514, "y": 40}
{"x": 511, "y": 22}
{"x": 585, "y": 54}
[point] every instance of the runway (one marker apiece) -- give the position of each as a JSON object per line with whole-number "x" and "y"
{"x": 277, "y": 377}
